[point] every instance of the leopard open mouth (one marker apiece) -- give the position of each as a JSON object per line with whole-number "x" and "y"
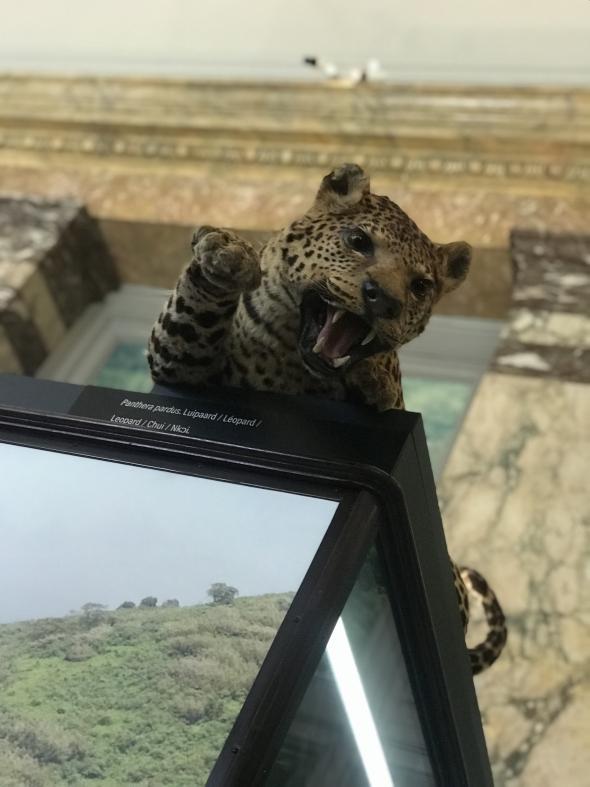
{"x": 331, "y": 338}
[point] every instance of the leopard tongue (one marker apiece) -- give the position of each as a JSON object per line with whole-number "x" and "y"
{"x": 336, "y": 338}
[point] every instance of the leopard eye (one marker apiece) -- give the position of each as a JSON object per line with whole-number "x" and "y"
{"x": 358, "y": 240}
{"x": 421, "y": 287}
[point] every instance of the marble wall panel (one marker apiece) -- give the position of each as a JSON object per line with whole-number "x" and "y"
{"x": 516, "y": 506}
{"x": 515, "y": 502}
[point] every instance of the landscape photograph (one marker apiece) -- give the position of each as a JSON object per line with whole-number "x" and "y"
{"x": 136, "y": 609}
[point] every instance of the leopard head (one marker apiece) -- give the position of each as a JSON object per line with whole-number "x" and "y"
{"x": 364, "y": 276}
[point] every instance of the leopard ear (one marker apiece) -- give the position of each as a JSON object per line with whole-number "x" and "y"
{"x": 456, "y": 261}
{"x": 343, "y": 188}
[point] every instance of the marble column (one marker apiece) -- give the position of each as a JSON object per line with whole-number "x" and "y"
{"x": 515, "y": 499}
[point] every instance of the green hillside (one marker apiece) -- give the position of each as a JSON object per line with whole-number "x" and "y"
{"x": 133, "y": 696}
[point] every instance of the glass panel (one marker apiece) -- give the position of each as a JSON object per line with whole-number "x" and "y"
{"x": 443, "y": 404}
{"x": 126, "y": 368}
{"x": 136, "y": 608}
{"x": 357, "y": 725}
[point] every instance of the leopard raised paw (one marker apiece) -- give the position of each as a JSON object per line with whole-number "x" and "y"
{"x": 225, "y": 260}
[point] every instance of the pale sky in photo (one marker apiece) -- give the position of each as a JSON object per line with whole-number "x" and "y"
{"x": 76, "y": 530}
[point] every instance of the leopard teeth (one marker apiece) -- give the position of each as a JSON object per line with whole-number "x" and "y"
{"x": 338, "y": 362}
{"x": 337, "y": 315}
{"x": 317, "y": 348}
{"x": 368, "y": 338}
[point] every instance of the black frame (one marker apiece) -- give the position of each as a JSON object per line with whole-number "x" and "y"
{"x": 378, "y": 466}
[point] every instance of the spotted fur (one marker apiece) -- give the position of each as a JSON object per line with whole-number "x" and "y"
{"x": 322, "y": 309}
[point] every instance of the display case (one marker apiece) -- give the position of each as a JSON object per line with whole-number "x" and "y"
{"x": 226, "y": 588}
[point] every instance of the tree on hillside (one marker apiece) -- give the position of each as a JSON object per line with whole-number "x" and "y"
{"x": 171, "y": 602}
{"x": 92, "y": 606}
{"x": 148, "y": 601}
{"x": 93, "y": 614}
{"x": 127, "y": 605}
{"x": 222, "y": 593}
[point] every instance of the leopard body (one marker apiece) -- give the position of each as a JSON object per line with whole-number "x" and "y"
{"x": 321, "y": 309}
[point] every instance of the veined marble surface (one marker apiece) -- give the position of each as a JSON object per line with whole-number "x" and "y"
{"x": 515, "y": 503}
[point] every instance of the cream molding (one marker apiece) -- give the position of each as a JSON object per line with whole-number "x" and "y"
{"x": 510, "y": 134}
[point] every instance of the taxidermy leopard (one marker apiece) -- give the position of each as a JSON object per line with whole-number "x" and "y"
{"x": 322, "y": 310}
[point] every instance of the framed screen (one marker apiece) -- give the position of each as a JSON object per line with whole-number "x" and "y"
{"x": 261, "y": 599}
{"x": 136, "y": 609}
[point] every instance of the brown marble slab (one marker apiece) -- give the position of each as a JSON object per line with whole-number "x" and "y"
{"x": 53, "y": 264}
{"x": 548, "y": 328}
{"x": 551, "y": 271}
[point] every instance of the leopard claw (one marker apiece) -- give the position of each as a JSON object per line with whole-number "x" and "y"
{"x": 226, "y": 259}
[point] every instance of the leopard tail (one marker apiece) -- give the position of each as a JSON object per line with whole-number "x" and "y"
{"x": 483, "y": 655}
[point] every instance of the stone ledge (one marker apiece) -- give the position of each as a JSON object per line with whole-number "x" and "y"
{"x": 53, "y": 264}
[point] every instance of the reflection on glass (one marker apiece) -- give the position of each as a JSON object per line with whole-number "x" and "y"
{"x": 443, "y": 404}
{"x": 352, "y": 693}
{"x": 136, "y": 608}
{"x": 126, "y": 368}
{"x": 357, "y": 725}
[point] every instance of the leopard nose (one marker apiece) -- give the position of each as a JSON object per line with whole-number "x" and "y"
{"x": 379, "y": 303}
